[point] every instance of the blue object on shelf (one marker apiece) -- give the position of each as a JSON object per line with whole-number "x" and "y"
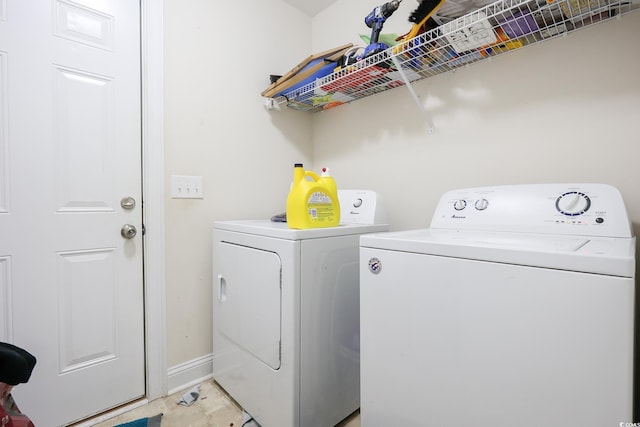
{"x": 323, "y": 71}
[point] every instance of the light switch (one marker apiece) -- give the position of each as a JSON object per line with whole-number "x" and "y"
{"x": 186, "y": 187}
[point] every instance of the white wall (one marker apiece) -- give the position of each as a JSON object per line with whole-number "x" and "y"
{"x": 218, "y": 59}
{"x": 565, "y": 110}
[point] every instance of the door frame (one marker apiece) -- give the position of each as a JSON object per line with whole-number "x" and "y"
{"x": 152, "y": 64}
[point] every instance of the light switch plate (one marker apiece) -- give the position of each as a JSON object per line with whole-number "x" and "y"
{"x": 186, "y": 187}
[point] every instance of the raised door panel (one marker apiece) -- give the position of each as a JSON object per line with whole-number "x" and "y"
{"x": 84, "y": 130}
{"x": 87, "y": 306}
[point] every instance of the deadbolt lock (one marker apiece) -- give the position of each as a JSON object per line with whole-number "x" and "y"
{"x": 128, "y": 203}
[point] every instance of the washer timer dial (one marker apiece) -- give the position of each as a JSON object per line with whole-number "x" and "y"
{"x": 573, "y": 203}
{"x": 459, "y": 204}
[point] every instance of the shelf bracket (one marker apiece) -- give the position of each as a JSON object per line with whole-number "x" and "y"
{"x": 415, "y": 96}
{"x": 271, "y": 104}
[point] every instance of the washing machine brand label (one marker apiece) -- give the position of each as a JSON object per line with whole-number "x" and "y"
{"x": 375, "y": 266}
{"x": 458, "y": 217}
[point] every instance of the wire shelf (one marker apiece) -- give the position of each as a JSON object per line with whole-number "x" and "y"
{"x": 489, "y": 31}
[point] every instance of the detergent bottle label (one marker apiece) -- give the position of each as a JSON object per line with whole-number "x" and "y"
{"x": 319, "y": 197}
{"x": 320, "y": 207}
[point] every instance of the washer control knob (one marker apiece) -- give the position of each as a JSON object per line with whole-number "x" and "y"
{"x": 357, "y": 203}
{"x": 573, "y": 203}
{"x": 459, "y": 204}
{"x": 482, "y": 204}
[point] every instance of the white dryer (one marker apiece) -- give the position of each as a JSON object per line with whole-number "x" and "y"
{"x": 286, "y": 315}
{"x": 515, "y": 308}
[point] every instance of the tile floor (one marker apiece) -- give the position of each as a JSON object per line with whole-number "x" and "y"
{"x": 214, "y": 408}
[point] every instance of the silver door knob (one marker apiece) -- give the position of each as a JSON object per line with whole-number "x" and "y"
{"x": 128, "y": 203}
{"x": 128, "y": 231}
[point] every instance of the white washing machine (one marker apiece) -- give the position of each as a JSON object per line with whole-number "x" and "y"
{"x": 286, "y": 315}
{"x": 515, "y": 308}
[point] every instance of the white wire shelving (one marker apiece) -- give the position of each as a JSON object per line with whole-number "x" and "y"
{"x": 492, "y": 30}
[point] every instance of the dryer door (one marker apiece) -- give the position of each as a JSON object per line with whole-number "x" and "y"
{"x": 248, "y": 290}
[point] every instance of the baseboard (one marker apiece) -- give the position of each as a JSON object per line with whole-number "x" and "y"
{"x": 188, "y": 374}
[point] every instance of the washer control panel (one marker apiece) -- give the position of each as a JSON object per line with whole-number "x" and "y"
{"x": 574, "y": 209}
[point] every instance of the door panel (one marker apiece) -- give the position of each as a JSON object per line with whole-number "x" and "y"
{"x": 4, "y": 133}
{"x": 249, "y": 300}
{"x": 87, "y": 305}
{"x": 70, "y": 149}
{"x": 85, "y": 146}
{"x": 5, "y": 299}
{"x": 83, "y": 25}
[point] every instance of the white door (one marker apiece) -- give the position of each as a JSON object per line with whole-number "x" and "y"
{"x": 70, "y": 150}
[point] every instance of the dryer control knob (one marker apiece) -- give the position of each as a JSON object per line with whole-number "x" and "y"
{"x": 573, "y": 203}
{"x": 482, "y": 204}
{"x": 459, "y": 204}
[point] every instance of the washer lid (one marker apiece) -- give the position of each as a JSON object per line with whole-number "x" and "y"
{"x": 279, "y": 230}
{"x": 600, "y": 255}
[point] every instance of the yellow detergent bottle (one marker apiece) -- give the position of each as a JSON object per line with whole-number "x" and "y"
{"x": 312, "y": 201}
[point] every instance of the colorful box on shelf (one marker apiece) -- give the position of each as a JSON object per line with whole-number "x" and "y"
{"x": 356, "y": 79}
{"x": 519, "y": 24}
{"x": 350, "y": 84}
{"x": 503, "y": 43}
{"x": 469, "y": 32}
{"x": 576, "y": 8}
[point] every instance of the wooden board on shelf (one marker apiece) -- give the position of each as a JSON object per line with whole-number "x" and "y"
{"x": 331, "y": 55}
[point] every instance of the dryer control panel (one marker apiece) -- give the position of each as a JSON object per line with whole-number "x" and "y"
{"x": 361, "y": 207}
{"x": 573, "y": 209}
